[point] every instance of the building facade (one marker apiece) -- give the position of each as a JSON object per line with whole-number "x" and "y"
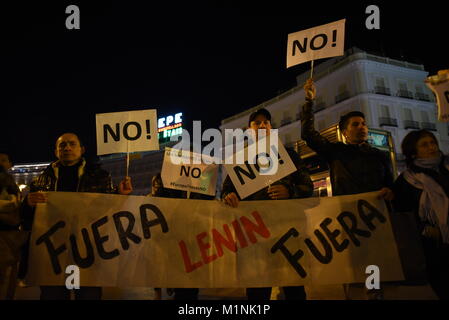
{"x": 142, "y": 167}
{"x": 25, "y": 173}
{"x": 391, "y": 93}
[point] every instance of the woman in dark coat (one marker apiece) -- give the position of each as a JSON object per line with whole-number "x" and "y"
{"x": 423, "y": 188}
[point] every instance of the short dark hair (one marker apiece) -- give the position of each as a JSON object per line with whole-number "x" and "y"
{"x": 6, "y": 153}
{"x": 76, "y": 135}
{"x": 344, "y": 120}
{"x": 410, "y": 141}
{"x": 264, "y": 112}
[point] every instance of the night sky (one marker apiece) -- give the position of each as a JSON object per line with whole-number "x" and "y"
{"x": 209, "y": 61}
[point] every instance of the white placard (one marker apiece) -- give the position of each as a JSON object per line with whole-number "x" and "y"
{"x": 250, "y": 177}
{"x": 316, "y": 43}
{"x": 190, "y": 173}
{"x": 129, "y": 131}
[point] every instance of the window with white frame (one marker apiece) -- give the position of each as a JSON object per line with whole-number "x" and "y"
{"x": 385, "y": 111}
{"x": 424, "y": 116}
{"x": 321, "y": 124}
{"x": 403, "y": 86}
{"x": 408, "y": 114}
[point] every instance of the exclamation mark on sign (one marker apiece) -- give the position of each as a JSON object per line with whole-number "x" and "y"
{"x": 148, "y": 129}
{"x": 334, "y": 38}
{"x": 273, "y": 148}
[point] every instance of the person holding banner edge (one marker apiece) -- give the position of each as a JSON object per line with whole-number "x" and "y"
{"x": 423, "y": 190}
{"x": 158, "y": 190}
{"x": 70, "y": 173}
{"x": 355, "y": 166}
{"x": 296, "y": 185}
{"x": 11, "y": 238}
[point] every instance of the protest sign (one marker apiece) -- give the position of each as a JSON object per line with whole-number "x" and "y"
{"x": 189, "y": 175}
{"x": 127, "y": 241}
{"x": 129, "y": 131}
{"x": 251, "y": 175}
{"x": 316, "y": 43}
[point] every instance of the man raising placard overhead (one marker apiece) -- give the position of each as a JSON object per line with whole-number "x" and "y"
{"x": 355, "y": 166}
{"x": 439, "y": 84}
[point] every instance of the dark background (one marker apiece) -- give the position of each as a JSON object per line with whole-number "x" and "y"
{"x": 209, "y": 61}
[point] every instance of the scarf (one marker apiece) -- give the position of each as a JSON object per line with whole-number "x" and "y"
{"x": 433, "y": 203}
{"x": 432, "y": 163}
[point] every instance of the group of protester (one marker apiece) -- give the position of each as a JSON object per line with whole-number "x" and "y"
{"x": 355, "y": 167}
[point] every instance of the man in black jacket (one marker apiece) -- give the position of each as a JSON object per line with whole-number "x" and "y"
{"x": 296, "y": 185}
{"x": 70, "y": 173}
{"x": 355, "y": 166}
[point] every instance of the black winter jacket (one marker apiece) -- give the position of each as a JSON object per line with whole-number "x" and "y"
{"x": 353, "y": 168}
{"x": 91, "y": 179}
{"x": 407, "y": 197}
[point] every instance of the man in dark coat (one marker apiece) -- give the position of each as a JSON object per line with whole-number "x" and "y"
{"x": 355, "y": 166}
{"x": 70, "y": 173}
{"x": 296, "y": 185}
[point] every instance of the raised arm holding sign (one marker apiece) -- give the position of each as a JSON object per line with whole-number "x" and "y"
{"x": 439, "y": 84}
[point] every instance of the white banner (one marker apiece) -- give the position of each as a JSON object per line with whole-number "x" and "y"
{"x": 316, "y": 43}
{"x": 268, "y": 165}
{"x": 189, "y": 173}
{"x": 129, "y": 131}
{"x": 126, "y": 241}
{"x": 439, "y": 84}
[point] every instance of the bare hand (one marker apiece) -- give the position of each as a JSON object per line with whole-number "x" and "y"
{"x": 125, "y": 187}
{"x": 432, "y": 233}
{"x": 278, "y": 192}
{"x": 232, "y": 200}
{"x": 310, "y": 90}
{"x": 10, "y": 204}
{"x": 386, "y": 193}
{"x": 36, "y": 197}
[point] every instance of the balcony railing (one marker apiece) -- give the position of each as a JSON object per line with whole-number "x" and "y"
{"x": 341, "y": 97}
{"x": 429, "y": 126}
{"x": 382, "y": 90}
{"x": 318, "y": 107}
{"x": 409, "y": 124}
{"x": 405, "y": 94}
{"x": 422, "y": 96}
{"x": 286, "y": 121}
{"x": 385, "y": 121}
